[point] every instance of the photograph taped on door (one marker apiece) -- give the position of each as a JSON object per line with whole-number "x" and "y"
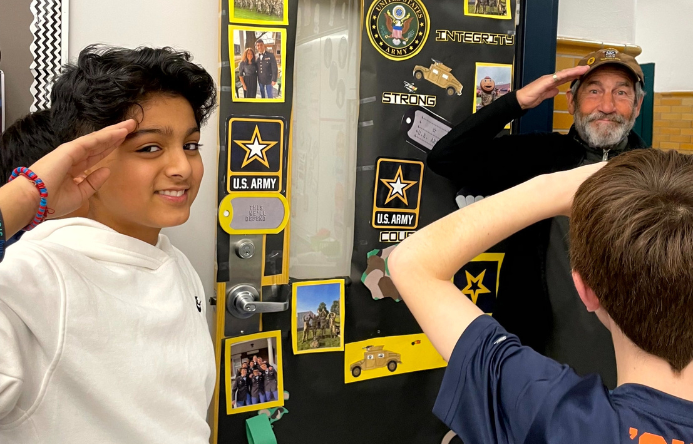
{"x": 265, "y": 69}
{"x": 256, "y": 154}
{"x": 492, "y": 80}
{"x": 495, "y": 9}
{"x": 388, "y": 356}
{"x": 317, "y": 322}
{"x": 263, "y": 389}
{"x": 260, "y": 12}
{"x": 397, "y": 193}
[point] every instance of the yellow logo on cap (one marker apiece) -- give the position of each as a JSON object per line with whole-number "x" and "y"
{"x": 590, "y": 61}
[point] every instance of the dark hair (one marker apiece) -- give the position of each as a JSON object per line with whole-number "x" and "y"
{"x": 259, "y": 41}
{"x": 631, "y": 239}
{"x": 26, "y": 141}
{"x": 245, "y": 53}
{"x": 106, "y": 83}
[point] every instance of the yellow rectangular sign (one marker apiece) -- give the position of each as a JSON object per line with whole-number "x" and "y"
{"x": 388, "y": 356}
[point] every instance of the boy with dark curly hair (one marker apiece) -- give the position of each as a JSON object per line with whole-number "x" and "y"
{"x": 102, "y": 328}
{"x": 631, "y": 238}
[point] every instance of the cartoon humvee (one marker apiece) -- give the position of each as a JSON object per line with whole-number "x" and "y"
{"x": 440, "y": 75}
{"x": 375, "y": 357}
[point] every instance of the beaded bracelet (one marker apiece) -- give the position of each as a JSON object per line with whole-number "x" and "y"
{"x": 2, "y": 237}
{"x": 43, "y": 192}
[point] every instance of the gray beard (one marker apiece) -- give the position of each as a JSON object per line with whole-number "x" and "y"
{"x": 603, "y": 138}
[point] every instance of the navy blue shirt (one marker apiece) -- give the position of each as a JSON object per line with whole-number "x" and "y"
{"x": 497, "y": 391}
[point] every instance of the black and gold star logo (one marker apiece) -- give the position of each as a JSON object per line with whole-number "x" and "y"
{"x": 475, "y": 286}
{"x": 398, "y": 187}
{"x": 479, "y": 280}
{"x": 255, "y": 148}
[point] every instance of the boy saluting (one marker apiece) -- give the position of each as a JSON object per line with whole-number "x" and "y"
{"x": 631, "y": 237}
{"x": 101, "y": 333}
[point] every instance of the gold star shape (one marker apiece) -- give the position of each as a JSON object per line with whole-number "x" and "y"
{"x": 480, "y": 288}
{"x": 398, "y": 187}
{"x": 255, "y": 148}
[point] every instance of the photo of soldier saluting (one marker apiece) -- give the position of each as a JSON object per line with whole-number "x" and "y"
{"x": 241, "y": 386}
{"x": 270, "y": 382}
{"x": 257, "y": 390}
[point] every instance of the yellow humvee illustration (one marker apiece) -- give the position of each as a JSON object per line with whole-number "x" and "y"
{"x": 440, "y": 75}
{"x": 375, "y": 357}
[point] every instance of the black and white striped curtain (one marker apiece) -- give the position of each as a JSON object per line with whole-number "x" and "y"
{"x": 49, "y": 48}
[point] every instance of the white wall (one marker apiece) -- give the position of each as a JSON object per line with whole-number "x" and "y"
{"x": 662, "y": 32}
{"x": 611, "y": 21}
{"x": 183, "y": 24}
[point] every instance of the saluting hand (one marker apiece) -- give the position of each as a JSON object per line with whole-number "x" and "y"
{"x": 546, "y": 87}
{"x": 59, "y": 168}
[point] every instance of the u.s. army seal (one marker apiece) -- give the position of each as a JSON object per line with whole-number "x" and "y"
{"x": 398, "y": 29}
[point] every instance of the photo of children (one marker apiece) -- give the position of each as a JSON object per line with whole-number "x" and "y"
{"x": 258, "y": 56}
{"x": 492, "y": 81}
{"x": 254, "y": 376}
{"x": 259, "y": 11}
{"x": 318, "y": 316}
{"x": 497, "y": 9}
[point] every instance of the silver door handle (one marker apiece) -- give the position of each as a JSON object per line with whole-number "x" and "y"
{"x": 243, "y": 301}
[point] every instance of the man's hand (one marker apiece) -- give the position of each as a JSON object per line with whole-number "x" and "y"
{"x": 546, "y": 87}
{"x": 59, "y": 169}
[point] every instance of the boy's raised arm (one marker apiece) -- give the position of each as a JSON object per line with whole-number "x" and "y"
{"x": 19, "y": 199}
{"x": 422, "y": 266}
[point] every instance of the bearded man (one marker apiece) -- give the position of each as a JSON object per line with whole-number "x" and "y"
{"x": 536, "y": 297}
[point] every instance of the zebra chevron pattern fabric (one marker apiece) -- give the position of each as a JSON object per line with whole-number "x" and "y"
{"x": 45, "y": 49}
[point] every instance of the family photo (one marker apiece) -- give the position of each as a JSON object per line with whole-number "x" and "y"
{"x": 258, "y": 62}
{"x": 255, "y": 372}
{"x": 318, "y": 316}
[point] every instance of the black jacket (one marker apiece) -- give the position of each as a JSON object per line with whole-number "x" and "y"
{"x": 270, "y": 380}
{"x": 267, "y": 71}
{"x": 480, "y": 163}
{"x": 258, "y": 385}
{"x": 242, "y": 384}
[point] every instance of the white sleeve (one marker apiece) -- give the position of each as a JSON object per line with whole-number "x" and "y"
{"x": 31, "y": 309}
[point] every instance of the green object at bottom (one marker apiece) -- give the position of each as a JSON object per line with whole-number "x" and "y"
{"x": 259, "y": 431}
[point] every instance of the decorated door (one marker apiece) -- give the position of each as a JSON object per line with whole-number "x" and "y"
{"x": 328, "y": 110}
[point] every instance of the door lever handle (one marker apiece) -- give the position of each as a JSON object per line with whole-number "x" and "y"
{"x": 243, "y": 301}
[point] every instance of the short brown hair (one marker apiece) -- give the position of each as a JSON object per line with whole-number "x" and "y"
{"x": 631, "y": 234}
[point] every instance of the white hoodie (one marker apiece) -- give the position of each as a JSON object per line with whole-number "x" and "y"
{"x": 103, "y": 339}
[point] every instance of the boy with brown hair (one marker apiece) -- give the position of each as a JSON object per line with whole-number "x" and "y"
{"x": 631, "y": 248}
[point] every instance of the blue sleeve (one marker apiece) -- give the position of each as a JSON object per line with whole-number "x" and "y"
{"x": 494, "y": 388}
